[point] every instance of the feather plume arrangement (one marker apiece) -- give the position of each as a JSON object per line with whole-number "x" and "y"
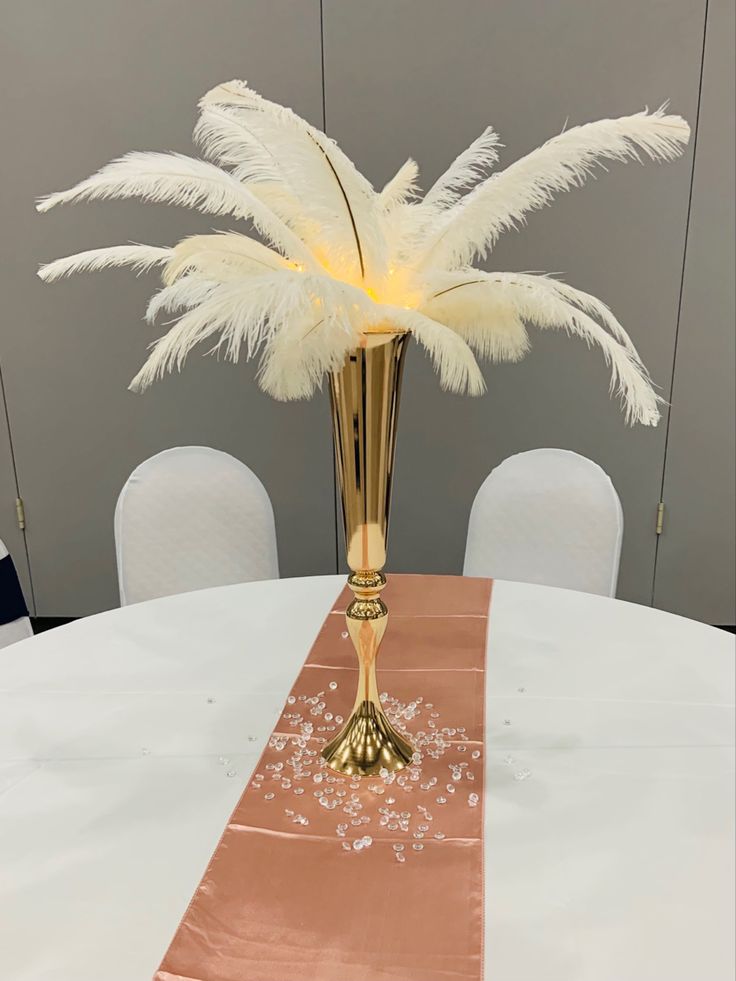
{"x": 339, "y": 260}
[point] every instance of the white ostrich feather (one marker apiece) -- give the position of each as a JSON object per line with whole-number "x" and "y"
{"x": 464, "y": 171}
{"x": 297, "y": 358}
{"x": 401, "y": 188}
{"x": 453, "y": 359}
{"x": 225, "y": 253}
{"x": 501, "y": 202}
{"x": 310, "y": 165}
{"x": 249, "y": 315}
{"x": 488, "y": 321}
{"x": 539, "y": 303}
{"x": 341, "y": 261}
{"x": 184, "y": 294}
{"x": 139, "y": 257}
{"x": 172, "y": 178}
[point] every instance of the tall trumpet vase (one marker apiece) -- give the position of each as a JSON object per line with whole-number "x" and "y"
{"x": 365, "y": 407}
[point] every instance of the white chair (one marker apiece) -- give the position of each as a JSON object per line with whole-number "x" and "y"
{"x": 189, "y": 518}
{"x": 14, "y": 622}
{"x": 547, "y": 516}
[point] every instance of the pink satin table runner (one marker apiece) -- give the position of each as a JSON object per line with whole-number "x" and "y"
{"x": 319, "y": 877}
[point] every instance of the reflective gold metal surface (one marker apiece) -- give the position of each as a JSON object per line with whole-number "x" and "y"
{"x": 365, "y": 404}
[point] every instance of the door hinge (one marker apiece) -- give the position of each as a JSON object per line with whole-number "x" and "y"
{"x": 660, "y": 517}
{"x": 20, "y": 513}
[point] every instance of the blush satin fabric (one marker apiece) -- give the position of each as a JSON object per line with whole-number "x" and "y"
{"x": 283, "y": 900}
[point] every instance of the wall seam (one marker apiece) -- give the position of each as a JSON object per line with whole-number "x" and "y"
{"x": 14, "y": 465}
{"x": 335, "y": 502}
{"x": 682, "y": 288}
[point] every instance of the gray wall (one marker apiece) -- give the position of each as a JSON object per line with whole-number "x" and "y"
{"x": 88, "y": 81}
{"x": 417, "y": 77}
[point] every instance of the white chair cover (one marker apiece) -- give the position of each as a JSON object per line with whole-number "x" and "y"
{"x": 547, "y": 516}
{"x": 14, "y": 622}
{"x": 189, "y": 518}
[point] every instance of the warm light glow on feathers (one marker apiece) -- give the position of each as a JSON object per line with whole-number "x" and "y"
{"x": 341, "y": 259}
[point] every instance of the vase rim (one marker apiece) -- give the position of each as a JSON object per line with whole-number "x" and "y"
{"x": 378, "y": 336}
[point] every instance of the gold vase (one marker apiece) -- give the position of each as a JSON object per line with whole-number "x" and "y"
{"x": 365, "y": 408}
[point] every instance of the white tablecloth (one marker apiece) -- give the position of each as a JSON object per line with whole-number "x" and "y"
{"x": 612, "y": 861}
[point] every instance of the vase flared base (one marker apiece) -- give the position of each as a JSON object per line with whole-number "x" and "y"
{"x": 367, "y": 744}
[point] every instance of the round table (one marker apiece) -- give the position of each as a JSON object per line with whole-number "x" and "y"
{"x": 612, "y": 860}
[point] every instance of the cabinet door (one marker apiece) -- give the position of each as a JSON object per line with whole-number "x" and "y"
{"x": 422, "y": 78}
{"x": 85, "y": 83}
{"x": 695, "y": 559}
{"x": 10, "y": 531}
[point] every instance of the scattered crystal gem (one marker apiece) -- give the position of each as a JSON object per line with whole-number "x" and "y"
{"x": 473, "y": 800}
{"x": 441, "y": 800}
{"x": 347, "y": 846}
{"x": 232, "y": 773}
{"x": 398, "y": 848}
{"x": 522, "y": 774}
{"x": 439, "y": 836}
{"x": 400, "y": 857}
{"x": 418, "y": 846}
{"x": 268, "y": 796}
{"x": 333, "y": 685}
{"x": 344, "y": 635}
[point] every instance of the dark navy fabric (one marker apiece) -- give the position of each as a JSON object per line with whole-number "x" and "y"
{"x": 12, "y": 603}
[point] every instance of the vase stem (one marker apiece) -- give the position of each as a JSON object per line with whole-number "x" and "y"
{"x": 365, "y": 403}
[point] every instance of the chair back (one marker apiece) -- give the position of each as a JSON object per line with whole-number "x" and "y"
{"x": 189, "y": 518}
{"x": 14, "y": 621}
{"x": 547, "y": 516}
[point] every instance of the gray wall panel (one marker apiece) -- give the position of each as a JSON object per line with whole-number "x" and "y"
{"x": 10, "y": 533}
{"x": 697, "y": 551}
{"x": 84, "y": 82}
{"x": 422, "y": 78}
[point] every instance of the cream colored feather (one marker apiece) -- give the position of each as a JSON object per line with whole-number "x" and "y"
{"x": 465, "y": 170}
{"x": 471, "y": 228}
{"x": 401, "y": 188}
{"x": 342, "y": 260}
{"x": 141, "y": 258}
{"x": 311, "y": 166}
{"x": 453, "y": 359}
{"x": 184, "y": 294}
{"x": 224, "y": 252}
{"x": 171, "y": 178}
